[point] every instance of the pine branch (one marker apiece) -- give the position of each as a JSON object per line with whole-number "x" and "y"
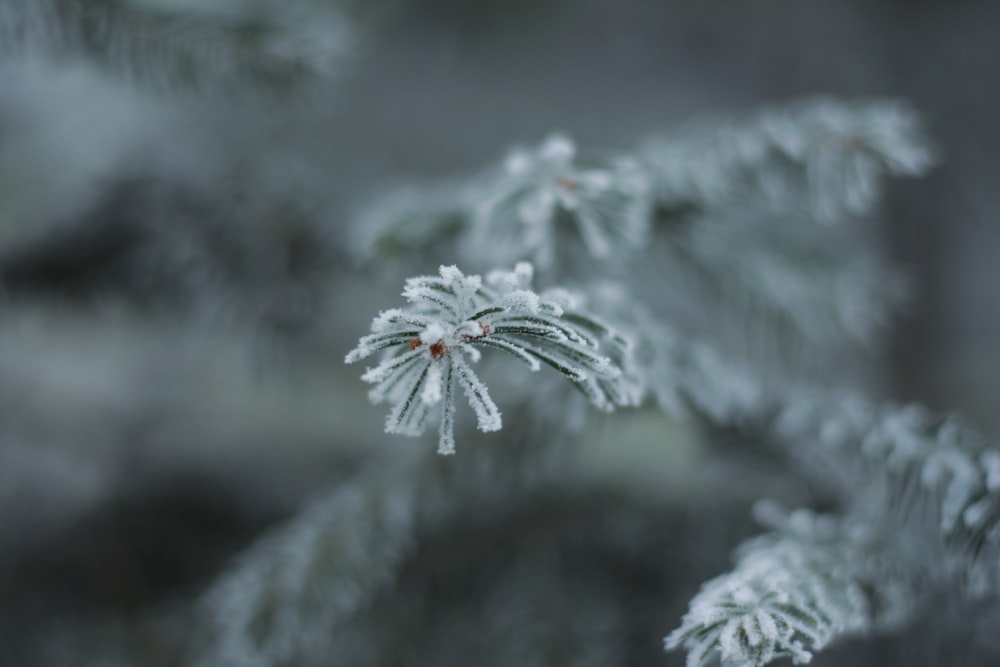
{"x": 932, "y": 477}
{"x": 741, "y": 252}
{"x": 742, "y": 187}
{"x": 792, "y": 593}
{"x": 521, "y": 209}
{"x": 922, "y": 513}
{"x": 819, "y": 156}
{"x": 681, "y": 374}
{"x": 428, "y": 347}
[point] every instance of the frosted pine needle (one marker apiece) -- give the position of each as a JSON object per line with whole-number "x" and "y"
{"x": 794, "y": 591}
{"x": 429, "y": 348}
{"x": 518, "y": 211}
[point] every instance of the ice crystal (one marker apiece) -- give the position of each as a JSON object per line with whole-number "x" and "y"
{"x": 430, "y": 346}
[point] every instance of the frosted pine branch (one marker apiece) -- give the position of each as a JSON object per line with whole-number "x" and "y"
{"x": 792, "y": 593}
{"x": 923, "y": 512}
{"x": 745, "y": 255}
{"x": 679, "y": 373}
{"x": 687, "y": 375}
{"x": 619, "y": 342}
{"x": 928, "y": 473}
{"x": 520, "y": 210}
{"x": 820, "y": 155}
{"x": 430, "y": 346}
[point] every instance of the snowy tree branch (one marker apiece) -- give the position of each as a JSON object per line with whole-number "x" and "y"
{"x": 922, "y": 512}
{"x": 820, "y": 156}
{"x": 429, "y": 346}
{"x": 792, "y": 593}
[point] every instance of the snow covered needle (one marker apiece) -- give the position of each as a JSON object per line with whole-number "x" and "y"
{"x": 428, "y": 346}
{"x": 518, "y": 212}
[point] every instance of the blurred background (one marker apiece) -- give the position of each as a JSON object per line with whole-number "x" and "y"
{"x": 171, "y": 376}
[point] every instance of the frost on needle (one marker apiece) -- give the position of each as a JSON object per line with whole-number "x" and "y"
{"x": 429, "y": 347}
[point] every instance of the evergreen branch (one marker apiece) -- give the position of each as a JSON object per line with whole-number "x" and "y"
{"x": 817, "y": 157}
{"x": 520, "y": 208}
{"x": 517, "y": 211}
{"x": 680, "y": 373}
{"x": 931, "y": 475}
{"x": 922, "y": 497}
{"x": 791, "y": 594}
{"x": 820, "y": 156}
{"x": 460, "y": 314}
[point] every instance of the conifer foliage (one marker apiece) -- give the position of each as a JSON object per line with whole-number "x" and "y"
{"x": 722, "y": 276}
{"x": 451, "y": 316}
{"x": 815, "y": 578}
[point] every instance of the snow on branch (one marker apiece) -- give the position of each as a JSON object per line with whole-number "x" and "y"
{"x": 921, "y": 494}
{"x": 166, "y": 43}
{"x": 931, "y": 474}
{"x": 681, "y": 374}
{"x": 792, "y": 592}
{"x": 519, "y": 211}
{"x": 922, "y": 498}
{"x": 430, "y": 346}
{"x": 750, "y": 181}
{"x": 522, "y": 209}
{"x": 823, "y": 156}
{"x": 686, "y": 376}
